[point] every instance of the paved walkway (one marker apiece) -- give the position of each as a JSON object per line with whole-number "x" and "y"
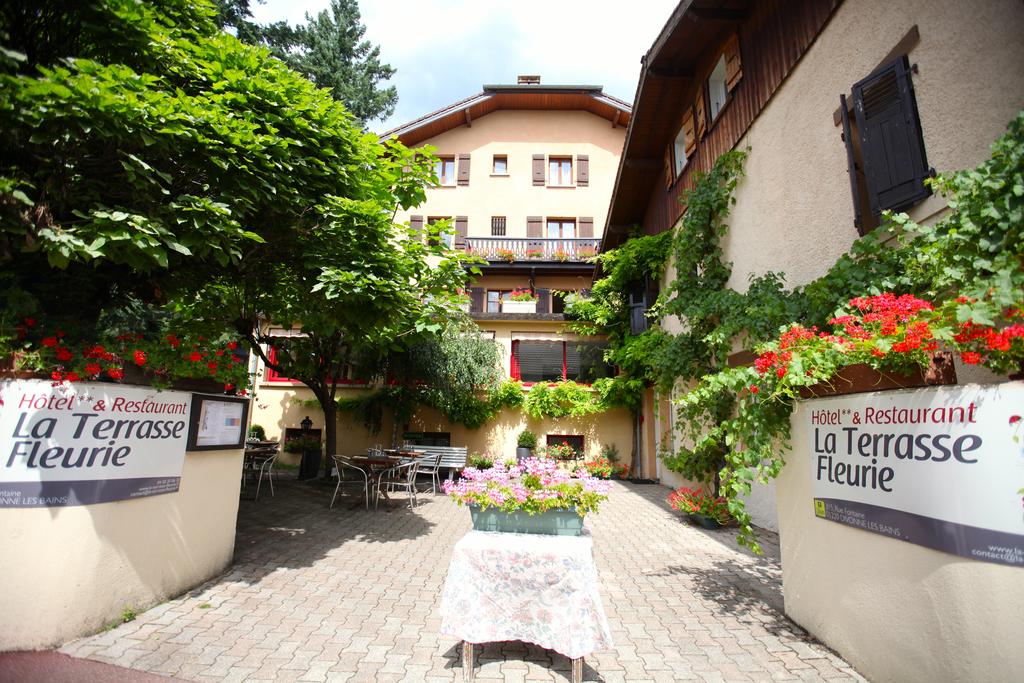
{"x": 350, "y": 595}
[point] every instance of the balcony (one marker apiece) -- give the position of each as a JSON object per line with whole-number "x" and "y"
{"x": 535, "y": 249}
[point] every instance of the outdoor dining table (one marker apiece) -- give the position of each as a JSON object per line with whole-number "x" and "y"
{"x": 525, "y": 587}
{"x": 375, "y": 466}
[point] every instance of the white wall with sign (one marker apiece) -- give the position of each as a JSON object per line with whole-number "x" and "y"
{"x": 901, "y": 519}
{"x": 83, "y": 533}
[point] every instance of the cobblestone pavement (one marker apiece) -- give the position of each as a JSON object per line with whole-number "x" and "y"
{"x": 349, "y": 595}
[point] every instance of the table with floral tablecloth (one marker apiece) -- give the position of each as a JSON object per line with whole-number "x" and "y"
{"x": 525, "y": 587}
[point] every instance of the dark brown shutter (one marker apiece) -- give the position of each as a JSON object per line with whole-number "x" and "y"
{"x": 891, "y": 144}
{"x": 534, "y": 226}
{"x": 700, "y": 115}
{"x": 461, "y": 231}
{"x": 586, "y": 224}
{"x": 463, "y": 173}
{"x": 733, "y": 63}
{"x": 538, "y": 169}
{"x": 476, "y": 299}
{"x": 543, "y": 300}
{"x": 416, "y": 223}
{"x": 582, "y": 170}
{"x": 689, "y": 132}
{"x": 667, "y": 166}
{"x": 851, "y": 165}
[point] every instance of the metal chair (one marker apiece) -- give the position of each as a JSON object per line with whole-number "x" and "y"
{"x": 431, "y": 465}
{"x": 264, "y": 466}
{"x": 342, "y": 463}
{"x": 402, "y": 476}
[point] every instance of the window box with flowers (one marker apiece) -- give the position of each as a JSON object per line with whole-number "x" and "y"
{"x": 520, "y": 301}
{"x": 531, "y": 497}
{"x": 702, "y": 509}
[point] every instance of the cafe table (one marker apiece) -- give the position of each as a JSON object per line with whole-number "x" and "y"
{"x": 525, "y": 587}
{"x": 375, "y": 466}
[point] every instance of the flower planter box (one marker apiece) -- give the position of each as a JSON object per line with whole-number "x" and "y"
{"x": 704, "y": 521}
{"x": 861, "y": 378}
{"x": 519, "y": 307}
{"x": 550, "y": 523}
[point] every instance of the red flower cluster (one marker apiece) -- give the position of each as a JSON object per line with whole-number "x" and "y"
{"x": 987, "y": 339}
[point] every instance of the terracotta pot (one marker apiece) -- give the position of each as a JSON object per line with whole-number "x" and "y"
{"x": 862, "y": 378}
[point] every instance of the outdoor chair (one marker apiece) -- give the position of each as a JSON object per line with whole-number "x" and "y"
{"x": 343, "y": 465}
{"x": 430, "y": 464}
{"x": 401, "y": 476}
{"x": 263, "y": 466}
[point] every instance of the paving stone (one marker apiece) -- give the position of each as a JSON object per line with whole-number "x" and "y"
{"x": 351, "y": 596}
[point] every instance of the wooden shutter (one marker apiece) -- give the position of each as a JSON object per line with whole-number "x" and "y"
{"x": 733, "y": 63}
{"x": 851, "y": 165}
{"x": 700, "y": 115}
{"x": 891, "y": 144}
{"x": 638, "y": 307}
{"x": 416, "y": 223}
{"x": 463, "y": 173}
{"x": 538, "y": 169}
{"x": 582, "y": 170}
{"x": 667, "y": 166}
{"x": 534, "y": 226}
{"x": 461, "y": 231}
{"x": 689, "y": 132}
{"x": 543, "y": 300}
{"x": 586, "y": 225}
{"x": 476, "y": 299}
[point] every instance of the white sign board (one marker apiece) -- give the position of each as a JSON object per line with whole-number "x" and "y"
{"x": 85, "y": 443}
{"x": 940, "y": 467}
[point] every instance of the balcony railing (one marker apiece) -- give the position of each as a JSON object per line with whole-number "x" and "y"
{"x": 513, "y": 249}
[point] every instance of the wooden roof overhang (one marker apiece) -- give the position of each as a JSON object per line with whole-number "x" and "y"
{"x": 667, "y": 78}
{"x": 589, "y": 98}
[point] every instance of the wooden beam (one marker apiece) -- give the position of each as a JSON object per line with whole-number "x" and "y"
{"x": 643, "y": 163}
{"x": 469, "y": 118}
{"x": 717, "y": 14}
{"x": 615, "y": 119}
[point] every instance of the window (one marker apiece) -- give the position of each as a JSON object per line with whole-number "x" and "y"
{"x": 551, "y": 361}
{"x": 495, "y": 297}
{"x": 561, "y": 228}
{"x": 444, "y": 169}
{"x": 558, "y": 301}
{"x": 497, "y": 226}
{"x": 885, "y": 151}
{"x": 447, "y": 237}
{"x": 428, "y": 438}
{"x": 560, "y": 171}
{"x": 679, "y": 151}
{"x": 574, "y": 440}
{"x": 500, "y": 165}
{"x": 717, "y": 92}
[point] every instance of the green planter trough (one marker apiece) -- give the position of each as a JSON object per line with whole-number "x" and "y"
{"x": 704, "y": 521}
{"x": 551, "y": 523}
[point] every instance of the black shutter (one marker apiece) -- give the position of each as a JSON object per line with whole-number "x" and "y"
{"x": 851, "y": 165}
{"x": 891, "y": 144}
{"x": 543, "y": 300}
{"x": 476, "y": 299}
{"x": 638, "y": 307}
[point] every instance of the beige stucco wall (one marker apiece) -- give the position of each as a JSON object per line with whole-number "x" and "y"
{"x": 70, "y": 571}
{"x": 520, "y": 135}
{"x": 896, "y": 611}
{"x": 794, "y": 212}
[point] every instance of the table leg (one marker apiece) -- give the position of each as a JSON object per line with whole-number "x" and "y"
{"x": 467, "y": 661}
{"x": 577, "y": 670}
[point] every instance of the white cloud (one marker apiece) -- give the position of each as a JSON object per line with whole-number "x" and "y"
{"x": 445, "y": 50}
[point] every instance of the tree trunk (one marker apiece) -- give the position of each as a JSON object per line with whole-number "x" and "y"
{"x": 330, "y": 409}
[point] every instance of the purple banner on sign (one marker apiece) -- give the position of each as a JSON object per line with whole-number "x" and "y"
{"x": 959, "y": 539}
{"x": 28, "y": 494}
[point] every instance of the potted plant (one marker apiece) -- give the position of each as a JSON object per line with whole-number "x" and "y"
{"x": 584, "y": 253}
{"x": 533, "y": 497}
{"x": 505, "y": 255}
{"x": 534, "y": 254}
{"x": 520, "y": 301}
{"x": 257, "y": 433}
{"x": 702, "y": 509}
{"x": 480, "y": 462}
{"x": 563, "y": 451}
{"x": 599, "y": 467}
{"x": 562, "y": 256}
{"x": 525, "y": 444}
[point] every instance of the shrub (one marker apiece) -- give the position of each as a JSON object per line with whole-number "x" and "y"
{"x": 527, "y": 439}
{"x": 257, "y": 433}
{"x": 480, "y": 461}
{"x": 599, "y": 467}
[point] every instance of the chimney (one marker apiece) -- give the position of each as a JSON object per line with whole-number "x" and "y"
{"x": 525, "y": 79}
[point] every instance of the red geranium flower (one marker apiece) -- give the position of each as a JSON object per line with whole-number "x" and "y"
{"x": 56, "y": 376}
{"x": 115, "y": 373}
{"x": 140, "y": 357}
{"x": 754, "y": 389}
{"x": 49, "y": 341}
{"x": 63, "y": 354}
{"x": 92, "y": 368}
{"x": 195, "y": 356}
{"x": 232, "y": 345}
{"x": 970, "y": 357}
{"x": 72, "y": 376}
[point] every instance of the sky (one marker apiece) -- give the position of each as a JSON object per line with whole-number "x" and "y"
{"x": 444, "y": 50}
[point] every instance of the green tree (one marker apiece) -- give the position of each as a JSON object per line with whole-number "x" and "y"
{"x": 329, "y": 49}
{"x": 159, "y": 156}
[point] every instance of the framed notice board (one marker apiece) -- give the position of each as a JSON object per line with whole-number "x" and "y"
{"x": 217, "y": 422}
